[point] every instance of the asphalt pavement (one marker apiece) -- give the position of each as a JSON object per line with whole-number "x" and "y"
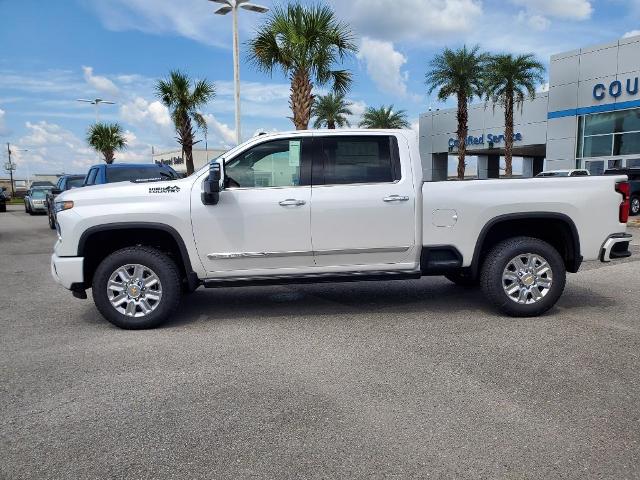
{"x": 406, "y": 379}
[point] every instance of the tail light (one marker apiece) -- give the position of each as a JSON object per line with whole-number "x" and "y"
{"x": 624, "y": 189}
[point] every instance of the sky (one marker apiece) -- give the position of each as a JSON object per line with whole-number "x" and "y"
{"x": 54, "y": 52}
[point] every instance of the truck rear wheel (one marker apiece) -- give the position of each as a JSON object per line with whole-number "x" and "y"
{"x": 137, "y": 287}
{"x": 523, "y": 276}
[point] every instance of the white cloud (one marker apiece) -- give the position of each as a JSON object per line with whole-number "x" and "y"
{"x": 384, "y": 66}
{"x": 632, "y": 33}
{"x": 193, "y": 19}
{"x": 409, "y": 19}
{"x": 100, "y": 83}
{"x": 564, "y": 9}
{"x": 537, "y": 22}
{"x": 139, "y": 112}
{"x": 51, "y": 148}
{"x": 221, "y": 131}
{"x": 3, "y": 124}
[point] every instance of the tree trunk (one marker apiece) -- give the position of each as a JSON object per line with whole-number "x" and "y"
{"x": 463, "y": 117}
{"x": 108, "y": 156}
{"x": 185, "y": 138}
{"x": 301, "y": 99}
{"x": 331, "y": 124}
{"x": 508, "y": 134}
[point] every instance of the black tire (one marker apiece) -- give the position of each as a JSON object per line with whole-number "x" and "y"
{"x": 160, "y": 264}
{"x": 497, "y": 260}
{"x": 634, "y": 206}
{"x": 52, "y": 224}
{"x": 463, "y": 279}
{"x": 26, "y": 208}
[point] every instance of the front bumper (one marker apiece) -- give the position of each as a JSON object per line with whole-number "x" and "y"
{"x": 67, "y": 271}
{"x": 616, "y": 246}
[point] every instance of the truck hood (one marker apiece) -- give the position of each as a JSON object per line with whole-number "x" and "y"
{"x": 121, "y": 191}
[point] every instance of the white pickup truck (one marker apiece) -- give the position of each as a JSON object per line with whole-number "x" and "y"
{"x": 329, "y": 206}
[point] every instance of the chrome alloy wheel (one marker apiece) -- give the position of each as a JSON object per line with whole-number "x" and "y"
{"x": 635, "y": 205}
{"x": 134, "y": 290}
{"x": 527, "y": 278}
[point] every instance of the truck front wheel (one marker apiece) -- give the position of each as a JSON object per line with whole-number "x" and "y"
{"x": 137, "y": 287}
{"x": 523, "y": 276}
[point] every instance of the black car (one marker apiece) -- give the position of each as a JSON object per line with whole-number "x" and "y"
{"x": 65, "y": 182}
{"x": 634, "y": 182}
{"x": 3, "y": 199}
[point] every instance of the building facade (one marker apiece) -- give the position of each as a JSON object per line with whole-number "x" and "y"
{"x": 589, "y": 118}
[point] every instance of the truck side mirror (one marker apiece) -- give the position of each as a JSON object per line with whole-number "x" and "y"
{"x": 211, "y": 186}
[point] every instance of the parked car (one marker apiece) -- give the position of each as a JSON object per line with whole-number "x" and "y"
{"x": 342, "y": 205}
{"x": 633, "y": 174}
{"x": 65, "y": 182}
{"x": 574, "y": 172}
{"x": 4, "y": 198}
{"x": 35, "y": 201}
{"x": 128, "y": 172}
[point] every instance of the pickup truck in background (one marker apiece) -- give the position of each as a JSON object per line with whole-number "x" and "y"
{"x": 633, "y": 174}
{"x": 330, "y": 206}
{"x": 64, "y": 183}
{"x": 125, "y": 172}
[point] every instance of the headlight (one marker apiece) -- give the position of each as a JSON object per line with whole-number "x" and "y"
{"x": 60, "y": 206}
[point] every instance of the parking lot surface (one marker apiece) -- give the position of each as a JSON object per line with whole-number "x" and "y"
{"x": 412, "y": 379}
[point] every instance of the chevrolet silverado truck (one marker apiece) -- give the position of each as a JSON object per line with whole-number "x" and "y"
{"x": 331, "y": 206}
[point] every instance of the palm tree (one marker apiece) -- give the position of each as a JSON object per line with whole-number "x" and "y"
{"x": 106, "y": 138}
{"x": 331, "y": 110}
{"x": 304, "y": 42}
{"x": 384, "y": 117}
{"x": 458, "y": 73}
{"x": 175, "y": 93}
{"x": 508, "y": 80}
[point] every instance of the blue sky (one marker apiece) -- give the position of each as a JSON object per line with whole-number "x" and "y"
{"x": 55, "y": 52}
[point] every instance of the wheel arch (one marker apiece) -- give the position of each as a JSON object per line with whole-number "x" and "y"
{"x": 97, "y": 242}
{"x": 557, "y": 229}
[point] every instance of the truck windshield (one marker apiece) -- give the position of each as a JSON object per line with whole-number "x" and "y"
{"x": 126, "y": 174}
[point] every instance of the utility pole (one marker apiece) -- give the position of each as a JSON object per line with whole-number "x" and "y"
{"x": 11, "y": 167}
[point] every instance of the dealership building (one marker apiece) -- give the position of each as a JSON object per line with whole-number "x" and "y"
{"x": 589, "y": 118}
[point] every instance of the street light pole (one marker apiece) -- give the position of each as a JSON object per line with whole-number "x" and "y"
{"x": 96, "y": 102}
{"x": 232, "y": 6}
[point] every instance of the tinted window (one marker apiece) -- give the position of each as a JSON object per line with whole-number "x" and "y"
{"x": 91, "y": 176}
{"x": 126, "y": 174}
{"x": 579, "y": 173}
{"x": 362, "y": 159}
{"x": 269, "y": 164}
{"x": 74, "y": 182}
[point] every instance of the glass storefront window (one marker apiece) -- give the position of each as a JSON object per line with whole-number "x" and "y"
{"x": 609, "y": 134}
{"x": 633, "y": 163}
{"x": 599, "y": 146}
{"x": 627, "y": 144}
{"x": 595, "y": 168}
{"x": 613, "y": 122}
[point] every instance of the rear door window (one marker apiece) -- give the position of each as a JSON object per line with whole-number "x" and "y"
{"x": 356, "y": 159}
{"x": 91, "y": 177}
{"x": 126, "y": 174}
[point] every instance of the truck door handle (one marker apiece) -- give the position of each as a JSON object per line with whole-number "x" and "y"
{"x": 396, "y": 198}
{"x": 292, "y": 202}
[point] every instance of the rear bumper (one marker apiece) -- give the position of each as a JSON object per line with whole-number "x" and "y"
{"x": 67, "y": 271}
{"x": 616, "y": 246}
